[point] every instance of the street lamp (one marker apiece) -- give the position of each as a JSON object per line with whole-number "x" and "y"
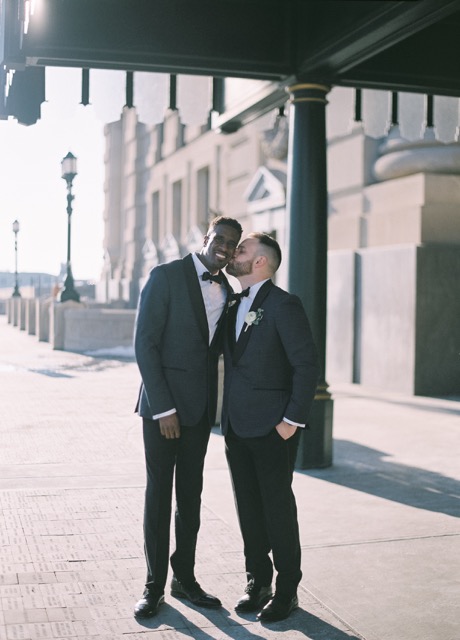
{"x": 68, "y": 173}
{"x": 16, "y": 292}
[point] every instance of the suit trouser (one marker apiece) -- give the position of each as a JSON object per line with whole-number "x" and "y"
{"x": 262, "y": 470}
{"x": 184, "y": 456}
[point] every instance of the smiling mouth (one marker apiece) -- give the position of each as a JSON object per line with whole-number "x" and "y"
{"x": 221, "y": 256}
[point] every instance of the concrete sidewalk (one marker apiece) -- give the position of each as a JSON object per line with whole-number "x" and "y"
{"x": 380, "y": 530}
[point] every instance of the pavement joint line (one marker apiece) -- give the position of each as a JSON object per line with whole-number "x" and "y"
{"x": 379, "y": 541}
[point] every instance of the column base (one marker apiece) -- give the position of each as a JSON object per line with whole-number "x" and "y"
{"x": 69, "y": 294}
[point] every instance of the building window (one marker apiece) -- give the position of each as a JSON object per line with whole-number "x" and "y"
{"x": 202, "y": 191}
{"x": 177, "y": 209}
{"x": 156, "y": 217}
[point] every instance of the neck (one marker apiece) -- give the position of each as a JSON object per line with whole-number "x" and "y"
{"x": 250, "y": 280}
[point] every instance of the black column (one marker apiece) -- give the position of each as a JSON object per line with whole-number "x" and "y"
{"x": 307, "y": 211}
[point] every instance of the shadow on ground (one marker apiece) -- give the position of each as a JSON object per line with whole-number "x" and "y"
{"x": 300, "y": 622}
{"x": 372, "y": 471}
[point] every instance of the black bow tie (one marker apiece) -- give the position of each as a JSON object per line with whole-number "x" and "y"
{"x": 238, "y": 296}
{"x": 208, "y": 276}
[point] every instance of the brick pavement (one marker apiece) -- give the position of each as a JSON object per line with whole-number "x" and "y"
{"x": 71, "y": 494}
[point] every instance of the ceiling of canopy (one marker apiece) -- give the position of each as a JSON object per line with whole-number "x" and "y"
{"x": 398, "y": 46}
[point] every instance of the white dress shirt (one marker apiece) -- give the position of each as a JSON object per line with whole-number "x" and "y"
{"x": 245, "y": 305}
{"x": 214, "y": 297}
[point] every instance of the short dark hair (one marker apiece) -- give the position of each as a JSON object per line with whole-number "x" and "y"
{"x": 270, "y": 242}
{"x": 230, "y": 222}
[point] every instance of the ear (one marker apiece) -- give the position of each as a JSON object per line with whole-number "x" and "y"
{"x": 260, "y": 261}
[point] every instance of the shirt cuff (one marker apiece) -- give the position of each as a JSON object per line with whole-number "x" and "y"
{"x": 294, "y": 424}
{"x": 164, "y": 414}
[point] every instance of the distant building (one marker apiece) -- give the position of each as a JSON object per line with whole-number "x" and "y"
{"x": 38, "y": 285}
{"x": 33, "y": 283}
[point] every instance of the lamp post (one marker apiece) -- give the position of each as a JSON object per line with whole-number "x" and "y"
{"x": 16, "y": 292}
{"x": 68, "y": 173}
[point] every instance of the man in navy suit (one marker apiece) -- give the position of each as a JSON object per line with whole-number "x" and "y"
{"x": 177, "y": 344}
{"x": 271, "y": 374}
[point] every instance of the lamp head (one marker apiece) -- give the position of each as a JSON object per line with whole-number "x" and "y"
{"x": 69, "y": 167}
{"x": 15, "y": 226}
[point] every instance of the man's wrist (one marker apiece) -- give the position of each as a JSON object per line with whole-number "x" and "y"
{"x": 164, "y": 414}
{"x": 294, "y": 424}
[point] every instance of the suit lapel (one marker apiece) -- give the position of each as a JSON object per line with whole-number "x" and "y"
{"x": 230, "y": 325}
{"x": 196, "y": 296}
{"x": 247, "y": 330}
{"x": 221, "y": 321}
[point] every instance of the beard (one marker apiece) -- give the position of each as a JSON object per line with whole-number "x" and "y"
{"x": 238, "y": 269}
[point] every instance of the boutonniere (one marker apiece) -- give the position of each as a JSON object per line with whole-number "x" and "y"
{"x": 253, "y": 317}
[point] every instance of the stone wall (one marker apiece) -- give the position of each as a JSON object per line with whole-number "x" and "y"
{"x": 93, "y": 329}
{"x": 401, "y": 330}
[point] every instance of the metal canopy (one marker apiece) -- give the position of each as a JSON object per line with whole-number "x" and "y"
{"x": 376, "y": 44}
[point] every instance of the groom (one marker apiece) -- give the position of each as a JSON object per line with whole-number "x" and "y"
{"x": 177, "y": 345}
{"x": 271, "y": 373}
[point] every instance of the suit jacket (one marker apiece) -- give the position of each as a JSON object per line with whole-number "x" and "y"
{"x": 272, "y": 371}
{"x": 171, "y": 342}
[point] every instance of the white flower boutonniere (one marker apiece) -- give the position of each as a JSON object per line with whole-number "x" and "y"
{"x": 253, "y": 317}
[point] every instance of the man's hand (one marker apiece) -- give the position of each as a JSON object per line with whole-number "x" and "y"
{"x": 170, "y": 426}
{"x": 286, "y": 430}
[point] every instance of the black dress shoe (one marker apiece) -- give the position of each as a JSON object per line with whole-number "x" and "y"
{"x": 278, "y": 609}
{"x": 195, "y": 594}
{"x": 147, "y": 606}
{"x": 254, "y": 598}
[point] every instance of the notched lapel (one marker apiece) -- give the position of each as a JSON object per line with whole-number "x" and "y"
{"x": 246, "y": 331}
{"x": 196, "y": 297}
